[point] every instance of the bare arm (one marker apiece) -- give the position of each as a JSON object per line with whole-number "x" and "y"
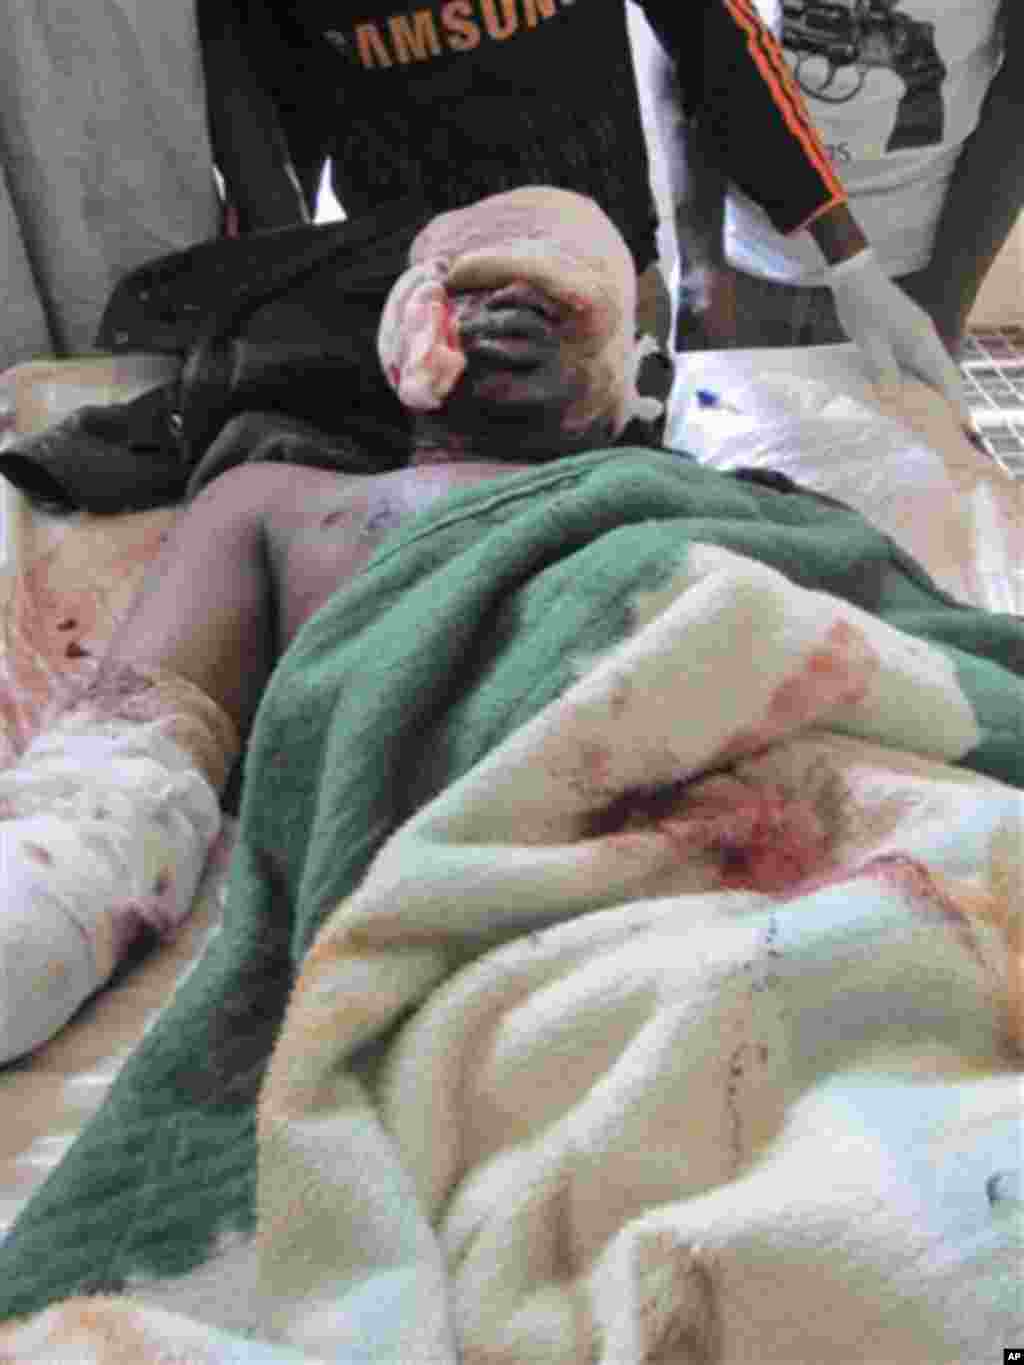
{"x": 696, "y": 182}
{"x": 698, "y": 186}
{"x": 249, "y": 144}
{"x": 985, "y": 196}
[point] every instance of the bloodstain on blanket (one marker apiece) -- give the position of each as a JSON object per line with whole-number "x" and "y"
{"x": 839, "y": 672}
{"x": 757, "y": 838}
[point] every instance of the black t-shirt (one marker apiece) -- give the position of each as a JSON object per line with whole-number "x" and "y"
{"x": 451, "y": 100}
{"x": 456, "y": 99}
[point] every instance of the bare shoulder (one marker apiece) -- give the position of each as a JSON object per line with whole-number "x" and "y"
{"x": 418, "y": 487}
{"x": 366, "y": 507}
{"x": 322, "y": 528}
{"x": 374, "y": 505}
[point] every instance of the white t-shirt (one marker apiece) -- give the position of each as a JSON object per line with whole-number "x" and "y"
{"x": 894, "y": 88}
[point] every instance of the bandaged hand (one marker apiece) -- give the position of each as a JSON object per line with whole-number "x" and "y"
{"x": 892, "y": 331}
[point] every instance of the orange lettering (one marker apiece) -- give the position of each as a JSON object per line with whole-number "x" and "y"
{"x": 371, "y": 47}
{"x": 530, "y": 8}
{"x": 462, "y": 33}
{"x": 496, "y": 29}
{"x": 412, "y": 40}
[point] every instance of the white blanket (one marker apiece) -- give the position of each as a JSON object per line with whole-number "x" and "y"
{"x": 721, "y": 1072}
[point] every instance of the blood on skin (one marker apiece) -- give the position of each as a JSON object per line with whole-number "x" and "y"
{"x": 449, "y": 324}
{"x": 584, "y": 311}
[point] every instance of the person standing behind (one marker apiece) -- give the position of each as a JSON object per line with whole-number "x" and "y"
{"x": 450, "y": 100}
{"x": 105, "y": 161}
{"x": 920, "y": 104}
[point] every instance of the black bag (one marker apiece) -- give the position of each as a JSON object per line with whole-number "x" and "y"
{"x": 281, "y": 322}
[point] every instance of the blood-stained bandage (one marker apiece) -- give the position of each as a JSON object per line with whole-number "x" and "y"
{"x": 418, "y": 340}
{"x": 556, "y": 240}
{"x": 105, "y": 828}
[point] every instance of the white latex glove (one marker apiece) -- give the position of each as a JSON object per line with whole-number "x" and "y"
{"x": 892, "y": 331}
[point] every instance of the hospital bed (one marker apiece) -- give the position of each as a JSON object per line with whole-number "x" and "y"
{"x": 912, "y": 473}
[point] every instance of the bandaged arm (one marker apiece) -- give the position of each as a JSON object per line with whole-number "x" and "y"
{"x": 105, "y": 827}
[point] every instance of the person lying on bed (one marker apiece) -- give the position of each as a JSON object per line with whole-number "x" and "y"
{"x": 511, "y": 338}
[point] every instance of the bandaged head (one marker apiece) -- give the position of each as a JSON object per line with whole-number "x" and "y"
{"x": 553, "y": 240}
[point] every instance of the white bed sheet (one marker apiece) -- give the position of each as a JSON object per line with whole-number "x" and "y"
{"x": 909, "y": 469}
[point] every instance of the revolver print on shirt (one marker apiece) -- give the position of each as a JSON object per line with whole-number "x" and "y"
{"x": 833, "y": 44}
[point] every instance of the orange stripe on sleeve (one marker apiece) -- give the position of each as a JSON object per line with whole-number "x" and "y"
{"x": 771, "y": 63}
{"x": 833, "y": 202}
